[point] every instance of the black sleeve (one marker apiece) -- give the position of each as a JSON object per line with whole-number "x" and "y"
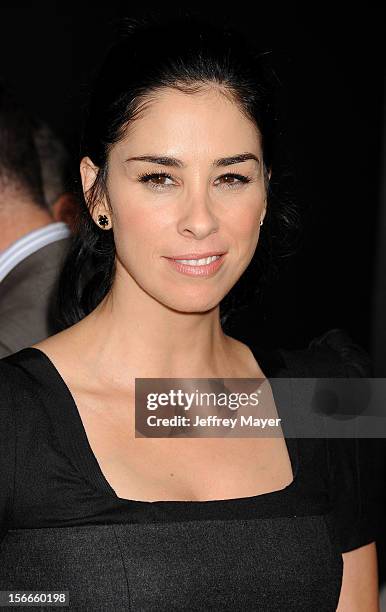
{"x": 7, "y": 446}
{"x": 355, "y": 498}
{"x": 355, "y": 464}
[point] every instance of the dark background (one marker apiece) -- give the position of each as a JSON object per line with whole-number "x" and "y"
{"x": 329, "y": 59}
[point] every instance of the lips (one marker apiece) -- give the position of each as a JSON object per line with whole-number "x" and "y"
{"x": 196, "y": 255}
{"x": 197, "y": 264}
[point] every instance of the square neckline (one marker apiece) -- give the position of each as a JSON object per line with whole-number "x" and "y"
{"x": 63, "y": 409}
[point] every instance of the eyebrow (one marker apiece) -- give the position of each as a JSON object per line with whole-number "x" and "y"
{"x": 177, "y": 163}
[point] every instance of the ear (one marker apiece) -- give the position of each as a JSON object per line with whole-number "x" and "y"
{"x": 65, "y": 209}
{"x": 88, "y": 173}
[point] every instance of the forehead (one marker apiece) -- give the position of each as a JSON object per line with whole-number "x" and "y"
{"x": 201, "y": 123}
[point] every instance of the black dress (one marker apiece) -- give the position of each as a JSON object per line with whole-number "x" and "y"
{"x": 64, "y": 528}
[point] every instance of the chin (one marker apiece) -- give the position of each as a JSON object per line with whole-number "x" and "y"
{"x": 192, "y": 305}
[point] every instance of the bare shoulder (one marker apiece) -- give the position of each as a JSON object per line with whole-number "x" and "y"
{"x": 245, "y": 359}
{"x": 63, "y": 349}
{"x": 58, "y": 343}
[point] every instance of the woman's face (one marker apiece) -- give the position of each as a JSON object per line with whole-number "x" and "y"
{"x": 188, "y": 208}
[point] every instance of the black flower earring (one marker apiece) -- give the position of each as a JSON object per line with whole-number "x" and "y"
{"x": 103, "y": 220}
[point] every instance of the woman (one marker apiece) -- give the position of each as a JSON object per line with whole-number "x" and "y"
{"x": 175, "y": 174}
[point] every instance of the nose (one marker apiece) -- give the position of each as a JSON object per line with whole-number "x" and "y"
{"x": 198, "y": 219}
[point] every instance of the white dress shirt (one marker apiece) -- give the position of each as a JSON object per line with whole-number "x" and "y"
{"x": 29, "y": 243}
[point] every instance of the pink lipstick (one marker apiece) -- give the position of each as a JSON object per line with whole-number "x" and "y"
{"x": 197, "y": 264}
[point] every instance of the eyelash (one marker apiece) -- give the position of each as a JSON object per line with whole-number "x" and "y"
{"x": 146, "y": 176}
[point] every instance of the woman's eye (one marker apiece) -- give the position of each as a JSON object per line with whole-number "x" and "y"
{"x": 235, "y": 180}
{"x": 155, "y": 179}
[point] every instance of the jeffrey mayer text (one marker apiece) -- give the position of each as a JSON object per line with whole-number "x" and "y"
{"x": 231, "y": 422}
{"x": 211, "y": 421}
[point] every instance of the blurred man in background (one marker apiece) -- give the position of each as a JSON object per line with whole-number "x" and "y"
{"x": 33, "y": 244}
{"x": 56, "y": 174}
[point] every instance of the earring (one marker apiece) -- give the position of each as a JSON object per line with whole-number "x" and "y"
{"x": 261, "y": 222}
{"x": 103, "y": 220}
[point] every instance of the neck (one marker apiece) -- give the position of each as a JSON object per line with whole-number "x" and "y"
{"x": 19, "y": 217}
{"x": 130, "y": 334}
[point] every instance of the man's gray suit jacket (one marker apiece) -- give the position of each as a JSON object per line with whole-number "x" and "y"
{"x": 27, "y": 295}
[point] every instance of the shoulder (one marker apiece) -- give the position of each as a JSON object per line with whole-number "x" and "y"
{"x": 353, "y": 493}
{"x": 10, "y": 376}
{"x": 23, "y": 400}
{"x": 17, "y": 384}
{"x": 21, "y": 417}
{"x": 334, "y": 353}
{"x": 11, "y": 366}
{"x": 9, "y": 389}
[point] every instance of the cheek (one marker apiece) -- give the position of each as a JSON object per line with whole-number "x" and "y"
{"x": 135, "y": 234}
{"x": 245, "y": 228}
{"x": 131, "y": 236}
{"x": 134, "y": 224}
{"x": 244, "y": 233}
{"x": 131, "y": 221}
{"x": 248, "y": 225}
{"x": 243, "y": 218}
